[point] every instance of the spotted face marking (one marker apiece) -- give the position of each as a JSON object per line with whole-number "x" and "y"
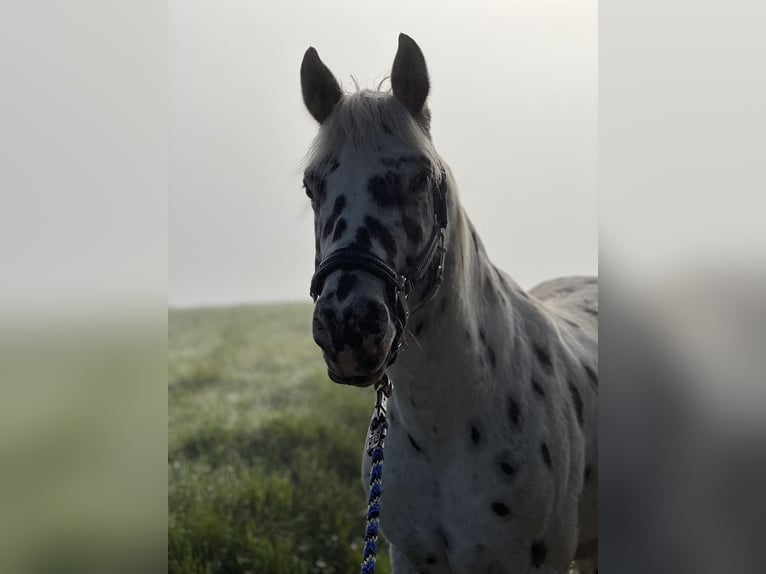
{"x": 380, "y": 232}
{"x": 413, "y": 230}
{"x": 538, "y": 389}
{"x": 345, "y": 285}
{"x": 386, "y": 190}
{"x": 337, "y": 209}
{"x": 397, "y": 162}
{"x": 362, "y": 239}
{"x": 340, "y": 228}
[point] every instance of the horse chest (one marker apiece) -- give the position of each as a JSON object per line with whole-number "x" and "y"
{"x": 449, "y": 508}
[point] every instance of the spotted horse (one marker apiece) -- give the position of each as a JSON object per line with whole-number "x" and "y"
{"x": 491, "y": 456}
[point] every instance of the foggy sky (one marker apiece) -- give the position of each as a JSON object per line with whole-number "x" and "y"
{"x": 514, "y": 113}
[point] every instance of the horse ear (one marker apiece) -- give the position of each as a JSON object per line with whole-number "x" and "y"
{"x": 321, "y": 91}
{"x": 409, "y": 76}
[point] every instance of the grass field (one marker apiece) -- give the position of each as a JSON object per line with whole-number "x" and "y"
{"x": 263, "y": 450}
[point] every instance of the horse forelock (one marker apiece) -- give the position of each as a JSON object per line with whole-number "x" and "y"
{"x": 367, "y": 120}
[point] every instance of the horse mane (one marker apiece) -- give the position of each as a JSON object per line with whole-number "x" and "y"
{"x": 365, "y": 118}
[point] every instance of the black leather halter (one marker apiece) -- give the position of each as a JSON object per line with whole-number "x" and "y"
{"x": 401, "y": 284}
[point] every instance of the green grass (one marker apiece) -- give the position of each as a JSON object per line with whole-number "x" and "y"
{"x": 264, "y": 452}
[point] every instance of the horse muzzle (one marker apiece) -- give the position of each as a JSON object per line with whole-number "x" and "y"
{"x": 355, "y": 331}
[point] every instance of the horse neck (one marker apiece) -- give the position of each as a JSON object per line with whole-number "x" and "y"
{"x": 439, "y": 369}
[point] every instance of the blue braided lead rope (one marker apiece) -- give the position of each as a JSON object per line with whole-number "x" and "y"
{"x": 376, "y": 438}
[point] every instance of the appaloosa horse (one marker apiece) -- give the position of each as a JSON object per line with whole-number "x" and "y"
{"x": 491, "y": 451}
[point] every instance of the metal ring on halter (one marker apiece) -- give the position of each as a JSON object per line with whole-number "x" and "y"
{"x": 401, "y": 285}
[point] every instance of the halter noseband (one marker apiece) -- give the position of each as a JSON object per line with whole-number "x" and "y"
{"x": 401, "y": 284}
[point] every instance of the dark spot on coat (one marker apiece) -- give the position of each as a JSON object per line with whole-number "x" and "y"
{"x": 586, "y": 475}
{"x": 418, "y": 328}
{"x": 491, "y": 354}
{"x": 577, "y": 400}
{"x": 412, "y": 229}
{"x": 546, "y": 455}
{"x": 402, "y": 159}
{"x": 475, "y": 241}
{"x": 337, "y": 209}
{"x": 537, "y": 553}
{"x": 500, "y": 509}
{"x": 430, "y": 559}
{"x": 414, "y": 444}
{"x": 544, "y": 358}
{"x": 475, "y": 434}
{"x": 362, "y": 238}
{"x": 537, "y": 388}
{"x": 334, "y": 164}
{"x": 382, "y": 234}
{"x": 591, "y": 375}
{"x": 345, "y": 284}
{"x": 513, "y": 410}
{"x": 386, "y": 189}
{"x": 374, "y": 314}
{"x": 505, "y": 467}
{"x": 339, "y": 229}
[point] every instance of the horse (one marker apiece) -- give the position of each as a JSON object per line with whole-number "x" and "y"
{"x": 491, "y": 452}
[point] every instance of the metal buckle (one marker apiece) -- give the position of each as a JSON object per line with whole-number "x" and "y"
{"x": 378, "y": 424}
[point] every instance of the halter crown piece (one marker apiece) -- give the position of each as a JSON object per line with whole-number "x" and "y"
{"x": 401, "y": 284}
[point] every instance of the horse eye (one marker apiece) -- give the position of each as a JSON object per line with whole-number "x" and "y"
{"x": 307, "y": 189}
{"x": 421, "y": 181}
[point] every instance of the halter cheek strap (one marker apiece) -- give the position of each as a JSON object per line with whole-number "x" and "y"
{"x": 401, "y": 284}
